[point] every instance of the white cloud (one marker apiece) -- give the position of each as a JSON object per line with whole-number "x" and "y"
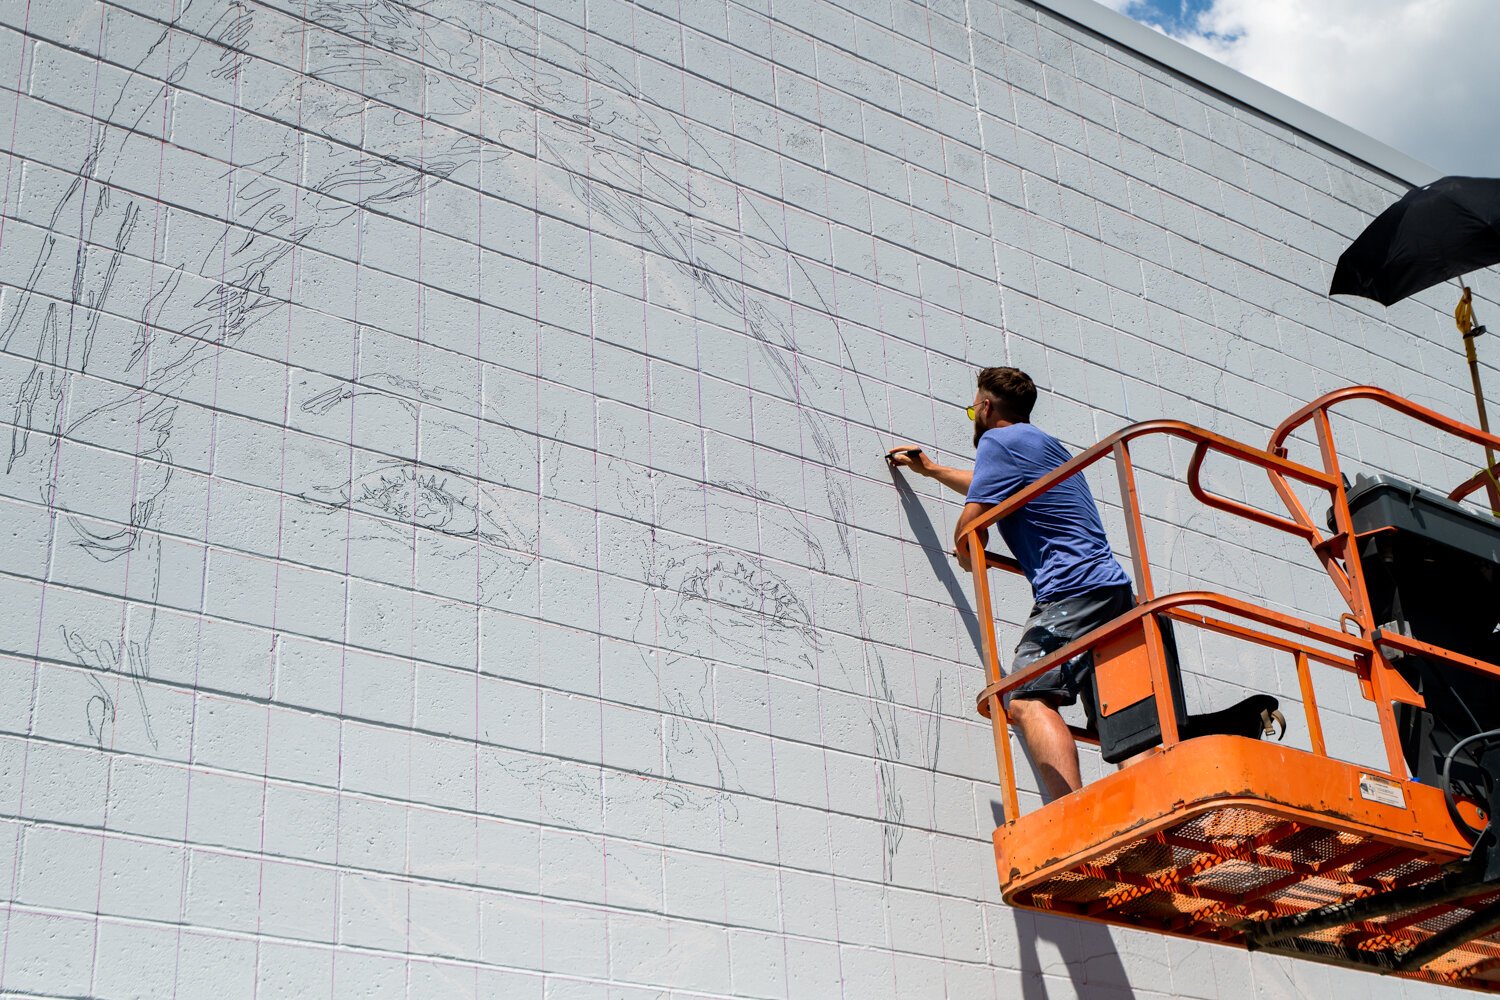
{"x": 1416, "y": 74}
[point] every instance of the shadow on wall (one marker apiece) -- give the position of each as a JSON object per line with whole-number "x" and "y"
{"x": 926, "y": 535}
{"x": 1085, "y": 949}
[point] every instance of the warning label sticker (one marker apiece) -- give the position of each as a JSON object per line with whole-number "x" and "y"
{"x": 1384, "y": 790}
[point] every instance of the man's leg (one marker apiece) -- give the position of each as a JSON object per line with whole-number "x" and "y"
{"x": 1050, "y": 743}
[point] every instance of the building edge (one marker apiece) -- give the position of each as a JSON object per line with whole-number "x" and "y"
{"x": 1179, "y": 58}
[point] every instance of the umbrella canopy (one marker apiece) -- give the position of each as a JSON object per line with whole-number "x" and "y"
{"x": 1447, "y": 228}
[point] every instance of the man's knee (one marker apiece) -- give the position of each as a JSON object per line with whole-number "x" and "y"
{"x": 1053, "y": 752}
{"x": 1026, "y": 712}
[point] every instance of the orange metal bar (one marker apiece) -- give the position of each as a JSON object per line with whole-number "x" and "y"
{"x": 1471, "y": 971}
{"x": 1359, "y": 601}
{"x": 1349, "y": 858}
{"x": 1205, "y": 860}
{"x": 996, "y": 561}
{"x": 1145, "y": 589}
{"x": 1320, "y": 545}
{"x": 1083, "y": 736}
{"x": 1375, "y": 874}
{"x": 1401, "y": 405}
{"x": 1410, "y": 645}
{"x": 1380, "y": 670}
{"x": 995, "y": 706}
{"x": 1209, "y": 499}
{"x": 1386, "y": 398}
{"x": 1380, "y": 673}
{"x": 1130, "y": 502}
{"x": 1349, "y": 581}
{"x": 1485, "y": 478}
{"x": 1161, "y": 682}
{"x": 1156, "y": 883}
{"x": 1319, "y": 633}
{"x": 1168, "y": 428}
{"x": 1200, "y": 620}
{"x": 1240, "y": 852}
{"x": 1416, "y": 916}
{"x": 1310, "y": 706}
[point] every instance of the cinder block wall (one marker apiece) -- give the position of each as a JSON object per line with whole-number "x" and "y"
{"x": 446, "y": 550}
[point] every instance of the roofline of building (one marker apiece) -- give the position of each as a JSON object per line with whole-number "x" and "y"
{"x": 1179, "y": 58}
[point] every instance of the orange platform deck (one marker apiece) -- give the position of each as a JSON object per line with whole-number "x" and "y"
{"x": 1205, "y": 836}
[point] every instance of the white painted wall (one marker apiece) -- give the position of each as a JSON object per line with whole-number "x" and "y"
{"x": 446, "y": 550}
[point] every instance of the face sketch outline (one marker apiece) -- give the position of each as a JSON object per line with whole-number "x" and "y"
{"x": 620, "y": 155}
{"x": 204, "y": 301}
{"x": 708, "y": 603}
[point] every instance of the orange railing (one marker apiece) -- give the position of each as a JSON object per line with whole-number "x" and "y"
{"x": 1317, "y": 411}
{"x": 1359, "y": 652}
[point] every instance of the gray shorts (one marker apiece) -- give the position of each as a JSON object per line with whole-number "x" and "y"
{"x": 1051, "y": 627}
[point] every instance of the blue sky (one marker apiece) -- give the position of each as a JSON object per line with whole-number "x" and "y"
{"x": 1172, "y": 17}
{"x": 1415, "y": 74}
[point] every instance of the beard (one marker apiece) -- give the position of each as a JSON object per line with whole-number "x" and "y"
{"x": 979, "y": 430}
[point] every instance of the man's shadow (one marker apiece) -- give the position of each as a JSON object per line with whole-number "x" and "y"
{"x": 1085, "y": 949}
{"x": 936, "y": 551}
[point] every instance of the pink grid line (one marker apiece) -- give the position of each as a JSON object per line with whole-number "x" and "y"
{"x": 859, "y": 604}
{"x": 478, "y": 452}
{"x": 417, "y": 455}
{"x": 213, "y": 435}
{"x": 15, "y": 119}
{"x": 536, "y": 312}
{"x": 338, "y": 814}
{"x": 203, "y": 577}
{"x": 123, "y": 662}
{"x": 51, "y": 536}
{"x": 588, "y": 167}
{"x": 786, "y": 957}
{"x": 272, "y": 671}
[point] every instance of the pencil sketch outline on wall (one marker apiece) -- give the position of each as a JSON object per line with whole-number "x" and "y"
{"x": 251, "y": 255}
{"x": 612, "y": 145}
{"x": 585, "y": 127}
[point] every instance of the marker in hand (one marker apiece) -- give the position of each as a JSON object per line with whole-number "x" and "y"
{"x": 890, "y": 456}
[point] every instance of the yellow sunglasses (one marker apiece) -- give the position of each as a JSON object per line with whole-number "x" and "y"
{"x": 972, "y": 412}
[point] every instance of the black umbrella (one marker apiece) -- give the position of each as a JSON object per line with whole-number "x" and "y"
{"x": 1445, "y": 229}
{"x": 1439, "y": 231}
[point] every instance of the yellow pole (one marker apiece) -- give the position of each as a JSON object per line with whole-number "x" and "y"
{"x": 1463, "y": 317}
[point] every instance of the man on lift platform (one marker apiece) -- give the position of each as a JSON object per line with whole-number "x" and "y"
{"x": 1058, "y": 539}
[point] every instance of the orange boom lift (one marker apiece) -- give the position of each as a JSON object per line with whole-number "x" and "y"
{"x": 1393, "y": 868}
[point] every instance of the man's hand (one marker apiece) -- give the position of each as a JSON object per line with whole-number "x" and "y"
{"x": 911, "y": 457}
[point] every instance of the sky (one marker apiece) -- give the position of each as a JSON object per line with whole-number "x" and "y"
{"x": 1419, "y": 75}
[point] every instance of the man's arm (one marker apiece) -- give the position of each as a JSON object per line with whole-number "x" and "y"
{"x": 970, "y": 513}
{"x": 915, "y": 459}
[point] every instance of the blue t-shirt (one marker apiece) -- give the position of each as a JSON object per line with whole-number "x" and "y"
{"x": 1057, "y": 538}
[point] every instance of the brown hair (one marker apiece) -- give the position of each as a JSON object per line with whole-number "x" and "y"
{"x": 1013, "y": 391}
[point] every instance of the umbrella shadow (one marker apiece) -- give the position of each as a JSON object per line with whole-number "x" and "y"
{"x": 1085, "y": 949}
{"x": 936, "y": 551}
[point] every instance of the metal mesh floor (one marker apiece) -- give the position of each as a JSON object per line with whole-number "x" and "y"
{"x": 1209, "y": 875}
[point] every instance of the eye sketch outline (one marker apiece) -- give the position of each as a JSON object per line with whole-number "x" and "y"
{"x": 220, "y": 315}
{"x": 567, "y": 129}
